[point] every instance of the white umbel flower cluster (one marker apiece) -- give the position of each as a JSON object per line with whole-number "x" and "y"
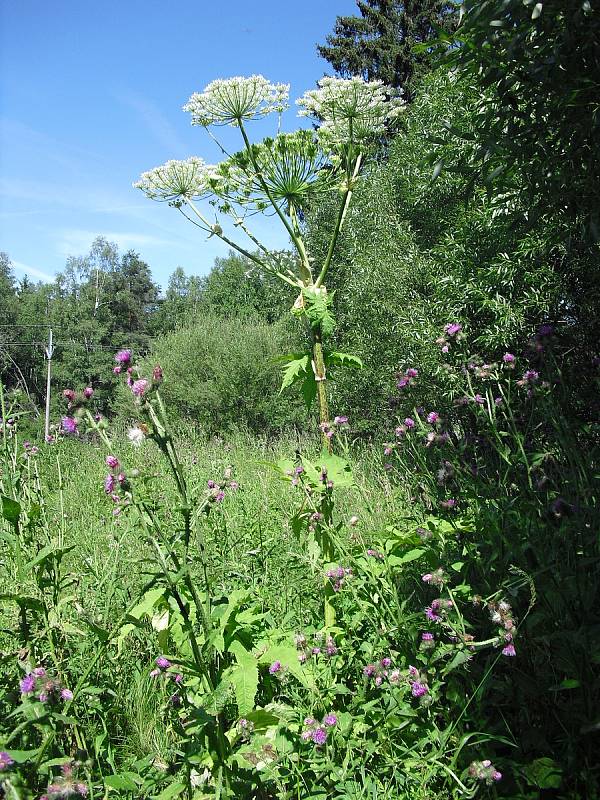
{"x": 229, "y": 101}
{"x": 177, "y": 179}
{"x": 349, "y": 109}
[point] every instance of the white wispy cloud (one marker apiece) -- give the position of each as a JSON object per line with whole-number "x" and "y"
{"x": 155, "y": 122}
{"x": 33, "y": 271}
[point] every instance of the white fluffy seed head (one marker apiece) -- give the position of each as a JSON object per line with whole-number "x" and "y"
{"x": 231, "y": 100}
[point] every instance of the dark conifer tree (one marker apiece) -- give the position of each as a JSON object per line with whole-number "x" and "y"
{"x": 378, "y": 44}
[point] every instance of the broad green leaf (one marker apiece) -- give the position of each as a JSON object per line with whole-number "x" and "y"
{"x": 21, "y": 756}
{"x": 146, "y": 604}
{"x": 343, "y": 360}
{"x": 244, "y": 678}
{"x": 294, "y": 371}
{"x": 412, "y": 555}
{"x": 262, "y": 719}
{"x": 287, "y": 655}
{"x": 317, "y": 308}
{"x": 124, "y": 780}
{"x": 544, "y": 773}
{"x": 11, "y": 510}
{"x": 309, "y": 389}
{"x": 172, "y": 790}
{"x": 338, "y": 470}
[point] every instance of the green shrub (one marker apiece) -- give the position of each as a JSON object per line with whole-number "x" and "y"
{"x": 222, "y": 374}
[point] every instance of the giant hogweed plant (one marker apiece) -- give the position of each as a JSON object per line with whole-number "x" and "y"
{"x": 281, "y": 176}
{"x": 254, "y": 711}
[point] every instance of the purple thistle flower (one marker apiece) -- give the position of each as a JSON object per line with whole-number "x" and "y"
{"x": 123, "y": 357}
{"x": 403, "y": 383}
{"x": 319, "y": 736}
{"x": 112, "y": 462}
{"x": 330, "y": 720}
{"x": 450, "y": 503}
{"x": 509, "y": 650}
{"x": 431, "y": 615}
{"x": 88, "y": 392}
{"x": 432, "y": 417}
{"x": 409, "y": 422}
{"x": 163, "y": 662}
{"x": 69, "y": 425}
{"x": 5, "y": 760}
{"x": 341, "y": 420}
{"x": 66, "y": 694}
{"x": 154, "y": 673}
{"x": 275, "y": 667}
{"x": 109, "y": 483}
{"x": 427, "y": 577}
{"x": 140, "y": 387}
{"x": 411, "y": 372}
{"x": 479, "y": 400}
{"x": 386, "y": 662}
{"x": 427, "y": 637}
{"x": 418, "y": 689}
{"x": 508, "y": 358}
{"x": 452, "y": 328}
{"x": 27, "y": 684}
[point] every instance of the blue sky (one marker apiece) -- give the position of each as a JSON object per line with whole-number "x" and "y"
{"x": 91, "y": 96}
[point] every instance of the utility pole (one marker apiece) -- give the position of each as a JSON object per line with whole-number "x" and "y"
{"x": 49, "y": 353}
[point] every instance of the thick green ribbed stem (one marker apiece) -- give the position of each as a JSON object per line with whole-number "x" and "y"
{"x": 321, "y": 377}
{"x": 326, "y": 507}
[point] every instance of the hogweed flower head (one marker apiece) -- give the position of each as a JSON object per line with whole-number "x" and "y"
{"x": 175, "y": 180}
{"x": 349, "y": 110}
{"x": 230, "y": 101}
